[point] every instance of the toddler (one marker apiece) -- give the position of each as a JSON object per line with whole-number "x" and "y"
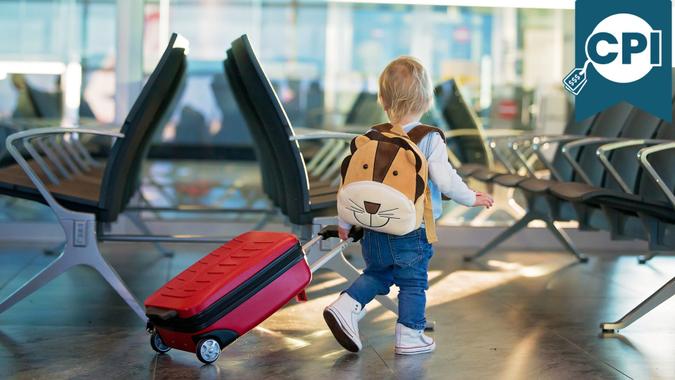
{"x": 405, "y": 93}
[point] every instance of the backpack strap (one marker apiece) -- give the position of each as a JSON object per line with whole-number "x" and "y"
{"x": 384, "y": 127}
{"x": 417, "y": 134}
{"x": 391, "y": 129}
{"x": 428, "y": 217}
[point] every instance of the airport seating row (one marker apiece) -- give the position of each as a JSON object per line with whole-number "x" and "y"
{"x": 611, "y": 172}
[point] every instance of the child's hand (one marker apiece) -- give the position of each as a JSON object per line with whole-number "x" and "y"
{"x": 343, "y": 233}
{"x": 483, "y": 199}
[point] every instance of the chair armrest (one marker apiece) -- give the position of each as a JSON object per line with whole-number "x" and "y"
{"x": 30, "y": 123}
{"x": 541, "y": 141}
{"x": 489, "y": 133}
{"x": 515, "y": 147}
{"x": 643, "y": 156}
{"x": 571, "y": 145}
{"x": 498, "y": 154}
{"x": 603, "y": 151}
{"x": 28, "y": 134}
{"x": 308, "y": 134}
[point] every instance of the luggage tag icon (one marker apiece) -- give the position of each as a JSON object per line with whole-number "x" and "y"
{"x": 576, "y": 80}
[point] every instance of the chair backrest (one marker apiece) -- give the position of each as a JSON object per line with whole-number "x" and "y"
{"x": 459, "y": 115}
{"x": 642, "y": 125}
{"x": 278, "y": 129}
{"x": 233, "y": 128}
{"x": 366, "y": 111}
{"x": 582, "y": 128}
{"x": 264, "y": 151}
{"x": 123, "y": 169}
{"x": 610, "y": 124}
{"x": 46, "y": 104}
{"x": 663, "y": 163}
{"x": 607, "y": 123}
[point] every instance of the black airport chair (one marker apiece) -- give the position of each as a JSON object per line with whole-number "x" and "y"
{"x": 301, "y": 207}
{"x": 603, "y": 178}
{"x": 543, "y": 206}
{"x": 365, "y": 111}
{"x": 654, "y": 204}
{"x": 82, "y": 202}
{"x": 466, "y": 138}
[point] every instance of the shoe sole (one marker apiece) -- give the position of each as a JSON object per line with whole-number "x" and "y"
{"x": 339, "y": 334}
{"x": 415, "y": 351}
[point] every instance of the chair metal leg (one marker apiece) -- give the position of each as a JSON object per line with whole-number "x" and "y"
{"x": 513, "y": 208}
{"x": 54, "y": 251}
{"x": 98, "y": 263}
{"x": 565, "y": 240}
{"x": 136, "y": 219}
{"x": 80, "y": 249}
{"x": 504, "y": 202}
{"x": 512, "y": 230}
{"x": 53, "y": 270}
{"x": 643, "y": 259}
{"x": 654, "y": 300}
{"x": 263, "y": 221}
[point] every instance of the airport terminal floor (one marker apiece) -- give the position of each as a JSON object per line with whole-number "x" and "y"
{"x": 516, "y": 314}
{"x": 216, "y": 189}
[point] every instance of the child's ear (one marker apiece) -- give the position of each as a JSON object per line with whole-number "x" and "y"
{"x": 358, "y": 142}
{"x": 384, "y": 104}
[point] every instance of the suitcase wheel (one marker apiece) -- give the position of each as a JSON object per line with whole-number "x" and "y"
{"x": 158, "y": 344}
{"x": 208, "y": 350}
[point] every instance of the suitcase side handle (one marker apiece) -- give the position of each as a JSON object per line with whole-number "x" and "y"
{"x": 163, "y": 314}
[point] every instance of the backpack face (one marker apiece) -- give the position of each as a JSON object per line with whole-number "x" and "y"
{"x": 383, "y": 184}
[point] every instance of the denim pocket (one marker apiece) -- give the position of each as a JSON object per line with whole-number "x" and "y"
{"x": 406, "y": 249}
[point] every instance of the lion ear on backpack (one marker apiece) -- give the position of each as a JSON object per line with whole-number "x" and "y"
{"x": 358, "y": 142}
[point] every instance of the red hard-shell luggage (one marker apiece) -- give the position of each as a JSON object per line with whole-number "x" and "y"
{"x": 230, "y": 291}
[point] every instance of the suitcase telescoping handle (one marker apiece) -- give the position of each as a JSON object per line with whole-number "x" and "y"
{"x": 331, "y": 231}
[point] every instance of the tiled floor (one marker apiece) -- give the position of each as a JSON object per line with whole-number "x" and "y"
{"x": 513, "y": 316}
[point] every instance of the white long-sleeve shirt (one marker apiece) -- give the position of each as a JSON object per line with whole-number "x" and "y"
{"x": 443, "y": 178}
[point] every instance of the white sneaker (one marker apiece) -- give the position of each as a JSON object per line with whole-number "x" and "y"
{"x": 412, "y": 342}
{"x": 342, "y": 317}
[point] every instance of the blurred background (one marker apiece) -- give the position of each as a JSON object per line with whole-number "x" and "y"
{"x": 62, "y": 58}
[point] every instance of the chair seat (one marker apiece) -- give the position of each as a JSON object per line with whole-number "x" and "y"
{"x": 510, "y": 180}
{"x": 467, "y": 169}
{"x": 578, "y": 191}
{"x": 81, "y": 189}
{"x": 485, "y": 175}
{"x": 536, "y": 185}
{"x": 94, "y": 175}
{"x": 71, "y": 202}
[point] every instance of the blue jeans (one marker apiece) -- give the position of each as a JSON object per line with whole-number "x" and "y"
{"x": 396, "y": 260}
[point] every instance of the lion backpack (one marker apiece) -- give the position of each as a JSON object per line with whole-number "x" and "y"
{"x": 384, "y": 182}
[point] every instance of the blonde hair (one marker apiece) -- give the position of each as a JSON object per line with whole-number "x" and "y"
{"x": 405, "y": 88}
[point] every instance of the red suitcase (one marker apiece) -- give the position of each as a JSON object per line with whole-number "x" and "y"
{"x": 230, "y": 291}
